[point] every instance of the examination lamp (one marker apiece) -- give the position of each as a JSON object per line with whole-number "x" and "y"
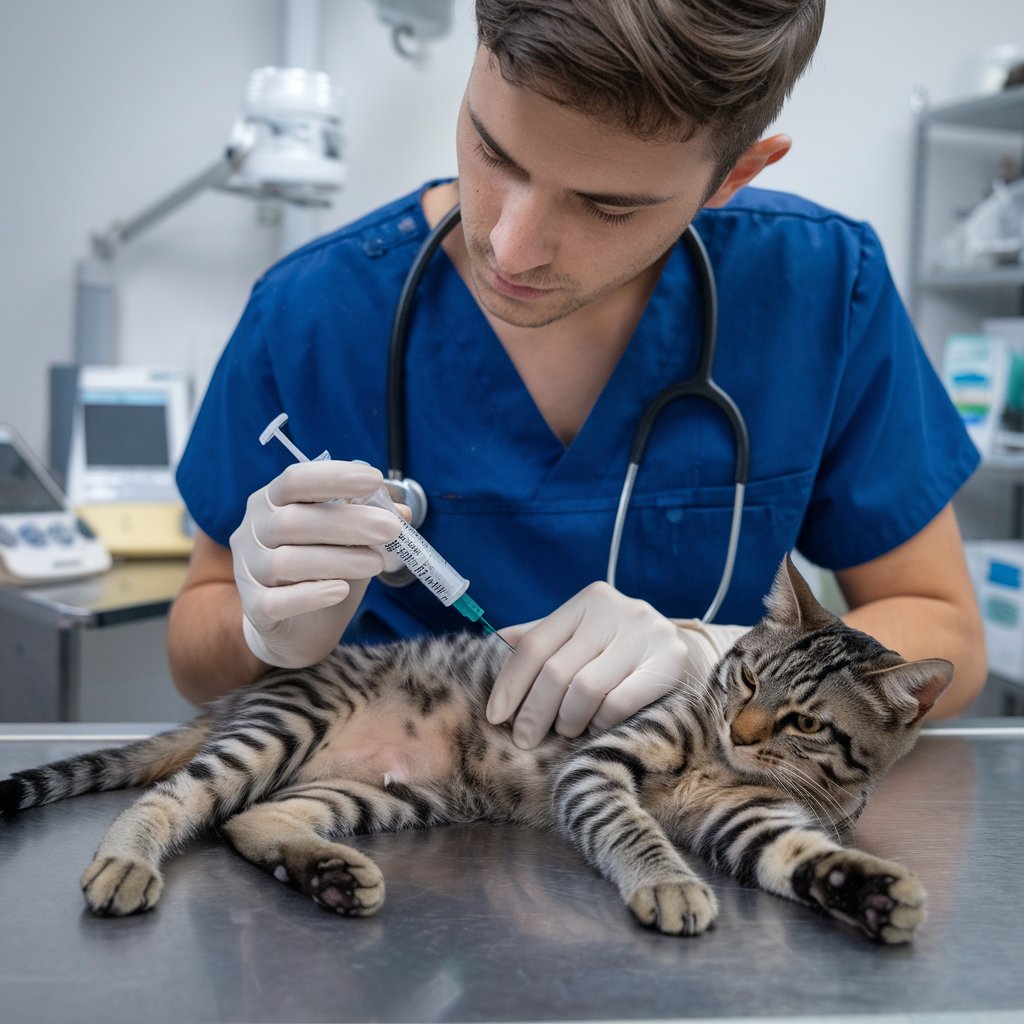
{"x": 285, "y": 146}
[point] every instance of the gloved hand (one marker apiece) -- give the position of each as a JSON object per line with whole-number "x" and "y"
{"x": 596, "y": 660}
{"x": 295, "y": 558}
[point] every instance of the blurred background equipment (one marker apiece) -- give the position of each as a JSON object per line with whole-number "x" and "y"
{"x": 286, "y": 145}
{"x": 41, "y": 539}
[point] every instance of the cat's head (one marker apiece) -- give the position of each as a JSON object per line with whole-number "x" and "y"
{"x": 816, "y": 706}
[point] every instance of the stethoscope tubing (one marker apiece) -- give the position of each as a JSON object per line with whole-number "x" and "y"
{"x": 700, "y": 385}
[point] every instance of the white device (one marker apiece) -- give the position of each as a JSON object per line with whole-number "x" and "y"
{"x": 129, "y": 425}
{"x": 41, "y": 538}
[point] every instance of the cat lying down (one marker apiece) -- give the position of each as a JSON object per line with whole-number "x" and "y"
{"x": 759, "y": 769}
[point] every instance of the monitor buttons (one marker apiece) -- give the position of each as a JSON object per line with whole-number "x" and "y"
{"x": 32, "y": 535}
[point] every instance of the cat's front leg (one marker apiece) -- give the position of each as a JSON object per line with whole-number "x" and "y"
{"x": 885, "y": 899}
{"x": 597, "y": 804}
{"x": 769, "y": 843}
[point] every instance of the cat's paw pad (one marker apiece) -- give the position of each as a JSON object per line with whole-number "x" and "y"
{"x": 117, "y": 886}
{"x": 883, "y": 898}
{"x": 337, "y": 877}
{"x": 347, "y": 886}
{"x": 686, "y": 907}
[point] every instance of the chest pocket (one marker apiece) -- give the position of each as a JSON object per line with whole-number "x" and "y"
{"x": 675, "y": 543}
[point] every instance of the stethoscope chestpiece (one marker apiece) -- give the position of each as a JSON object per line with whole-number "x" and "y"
{"x": 408, "y": 492}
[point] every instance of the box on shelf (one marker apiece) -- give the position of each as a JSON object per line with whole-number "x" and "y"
{"x": 1010, "y": 331}
{"x": 975, "y": 370}
{"x": 997, "y": 572}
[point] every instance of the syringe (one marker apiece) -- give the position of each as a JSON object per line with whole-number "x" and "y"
{"x": 451, "y": 589}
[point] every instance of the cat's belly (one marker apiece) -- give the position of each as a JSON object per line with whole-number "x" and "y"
{"x": 384, "y": 743}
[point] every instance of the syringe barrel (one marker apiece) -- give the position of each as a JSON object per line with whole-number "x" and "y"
{"x": 417, "y": 555}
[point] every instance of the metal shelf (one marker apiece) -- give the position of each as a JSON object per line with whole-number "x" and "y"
{"x": 1009, "y": 464}
{"x": 990, "y": 277}
{"x": 1002, "y": 112}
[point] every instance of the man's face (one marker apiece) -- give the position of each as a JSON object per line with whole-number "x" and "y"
{"x": 558, "y": 211}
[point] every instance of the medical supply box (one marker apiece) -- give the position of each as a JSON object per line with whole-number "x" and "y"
{"x": 997, "y": 572}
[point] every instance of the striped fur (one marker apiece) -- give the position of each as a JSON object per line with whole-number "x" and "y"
{"x": 759, "y": 769}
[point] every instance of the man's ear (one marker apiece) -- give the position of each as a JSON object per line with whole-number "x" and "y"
{"x": 750, "y": 164}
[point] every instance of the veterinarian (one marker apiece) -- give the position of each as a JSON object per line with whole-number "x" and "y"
{"x": 563, "y": 301}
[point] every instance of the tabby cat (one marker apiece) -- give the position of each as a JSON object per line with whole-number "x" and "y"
{"x": 759, "y": 769}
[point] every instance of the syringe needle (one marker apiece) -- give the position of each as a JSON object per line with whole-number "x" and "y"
{"x": 488, "y": 628}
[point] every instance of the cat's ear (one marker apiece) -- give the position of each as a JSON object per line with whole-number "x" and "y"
{"x": 790, "y": 602}
{"x": 915, "y": 686}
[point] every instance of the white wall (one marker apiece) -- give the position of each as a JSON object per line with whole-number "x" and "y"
{"x": 106, "y": 104}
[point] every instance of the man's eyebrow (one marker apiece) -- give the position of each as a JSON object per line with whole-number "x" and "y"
{"x": 623, "y": 199}
{"x": 488, "y": 139}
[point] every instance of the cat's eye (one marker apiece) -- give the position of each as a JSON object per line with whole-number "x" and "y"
{"x": 749, "y": 678}
{"x": 808, "y": 724}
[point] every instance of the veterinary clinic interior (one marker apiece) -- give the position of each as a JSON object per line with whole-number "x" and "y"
{"x": 168, "y": 170}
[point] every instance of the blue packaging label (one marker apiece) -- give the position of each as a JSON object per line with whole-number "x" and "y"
{"x": 1004, "y": 574}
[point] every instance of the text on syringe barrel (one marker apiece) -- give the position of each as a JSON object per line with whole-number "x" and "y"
{"x": 427, "y": 565}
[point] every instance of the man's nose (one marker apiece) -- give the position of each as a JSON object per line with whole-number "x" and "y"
{"x": 525, "y": 236}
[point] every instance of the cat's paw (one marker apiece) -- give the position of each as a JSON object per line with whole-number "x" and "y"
{"x": 346, "y": 887}
{"x": 686, "y": 907}
{"x": 883, "y": 898}
{"x": 337, "y": 877}
{"x": 117, "y": 886}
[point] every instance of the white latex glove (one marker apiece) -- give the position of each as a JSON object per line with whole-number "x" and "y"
{"x": 295, "y": 557}
{"x": 596, "y": 660}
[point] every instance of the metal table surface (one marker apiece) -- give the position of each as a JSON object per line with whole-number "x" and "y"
{"x": 489, "y": 923}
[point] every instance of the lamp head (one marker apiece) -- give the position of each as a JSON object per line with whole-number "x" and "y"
{"x": 287, "y": 143}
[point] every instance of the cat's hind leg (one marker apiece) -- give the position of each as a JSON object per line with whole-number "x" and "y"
{"x": 293, "y": 837}
{"x": 124, "y": 877}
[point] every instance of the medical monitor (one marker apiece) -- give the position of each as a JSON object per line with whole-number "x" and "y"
{"x": 127, "y": 433}
{"x": 128, "y": 428}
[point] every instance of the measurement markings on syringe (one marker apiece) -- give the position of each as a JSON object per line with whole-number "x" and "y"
{"x": 413, "y": 555}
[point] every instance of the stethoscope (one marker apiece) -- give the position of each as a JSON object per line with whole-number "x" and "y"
{"x": 700, "y": 385}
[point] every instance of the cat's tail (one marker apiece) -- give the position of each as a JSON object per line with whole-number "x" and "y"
{"x": 136, "y": 764}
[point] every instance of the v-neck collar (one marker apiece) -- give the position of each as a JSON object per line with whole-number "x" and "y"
{"x": 655, "y": 355}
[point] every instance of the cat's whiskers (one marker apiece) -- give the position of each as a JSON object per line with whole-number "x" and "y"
{"x": 816, "y": 794}
{"x": 814, "y": 806}
{"x": 818, "y": 784}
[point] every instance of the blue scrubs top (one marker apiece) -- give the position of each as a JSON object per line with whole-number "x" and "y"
{"x": 854, "y": 444}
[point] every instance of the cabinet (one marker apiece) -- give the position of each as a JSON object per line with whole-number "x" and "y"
{"x": 960, "y": 150}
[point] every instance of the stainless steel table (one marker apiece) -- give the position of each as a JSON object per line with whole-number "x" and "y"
{"x": 487, "y": 923}
{"x": 41, "y": 631}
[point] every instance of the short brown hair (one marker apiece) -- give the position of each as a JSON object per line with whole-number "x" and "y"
{"x": 659, "y": 68}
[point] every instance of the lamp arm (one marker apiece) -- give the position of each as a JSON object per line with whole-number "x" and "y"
{"x": 106, "y": 244}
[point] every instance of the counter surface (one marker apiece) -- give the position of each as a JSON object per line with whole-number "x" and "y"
{"x": 493, "y": 923}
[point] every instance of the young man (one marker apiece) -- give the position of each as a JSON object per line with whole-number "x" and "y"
{"x": 590, "y": 136}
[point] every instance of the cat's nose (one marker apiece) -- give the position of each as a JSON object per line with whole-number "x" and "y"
{"x": 750, "y": 726}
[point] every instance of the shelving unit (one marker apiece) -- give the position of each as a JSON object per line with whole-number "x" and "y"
{"x": 960, "y": 149}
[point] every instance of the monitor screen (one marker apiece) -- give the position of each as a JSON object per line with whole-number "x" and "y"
{"x": 126, "y": 429}
{"x": 20, "y": 489}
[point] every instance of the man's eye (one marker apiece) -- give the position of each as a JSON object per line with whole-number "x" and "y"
{"x": 610, "y": 218}
{"x": 489, "y": 158}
